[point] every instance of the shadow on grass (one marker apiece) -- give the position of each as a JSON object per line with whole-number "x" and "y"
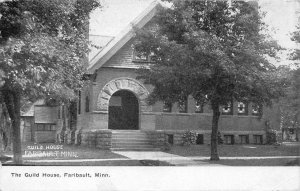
{"x": 295, "y": 162}
{"x": 98, "y": 163}
{"x": 155, "y": 163}
{"x": 4, "y": 158}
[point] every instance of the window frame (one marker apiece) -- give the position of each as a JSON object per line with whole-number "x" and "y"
{"x": 87, "y": 104}
{"x": 230, "y": 104}
{"x": 245, "y": 108}
{"x": 140, "y": 60}
{"x": 200, "y": 105}
{"x": 167, "y": 107}
{"x": 260, "y": 110}
{"x": 183, "y": 105}
{"x": 79, "y": 103}
{"x": 255, "y": 138}
{"x": 246, "y": 139}
{"x": 231, "y": 139}
{"x": 52, "y": 127}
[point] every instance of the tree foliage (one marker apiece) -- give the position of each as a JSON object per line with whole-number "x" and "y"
{"x": 43, "y": 44}
{"x": 43, "y": 49}
{"x": 290, "y": 103}
{"x": 212, "y": 51}
{"x": 296, "y": 39}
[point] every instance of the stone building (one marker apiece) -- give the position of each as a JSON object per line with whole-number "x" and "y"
{"x": 112, "y": 108}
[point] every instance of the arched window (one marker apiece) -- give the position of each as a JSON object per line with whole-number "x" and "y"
{"x": 256, "y": 109}
{"x": 87, "y": 104}
{"x": 167, "y": 107}
{"x": 182, "y": 105}
{"x": 79, "y": 102}
{"x": 242, "y": 108}
{"x": 227, "y": 109}
{"x": 199, "y": 106}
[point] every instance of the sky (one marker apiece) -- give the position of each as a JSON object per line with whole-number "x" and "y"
{"x": 282, "y": 16}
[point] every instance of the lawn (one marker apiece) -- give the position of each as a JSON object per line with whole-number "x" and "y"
{"x": 192, "y": 151}
{"x": 237, "y": 150}
{"x": 243, "y": 151}
{"x": 257, "y": 162}
{"x": 75, "y": 152}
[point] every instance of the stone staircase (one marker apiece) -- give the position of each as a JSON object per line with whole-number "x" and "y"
{"x": 131, "y": 140}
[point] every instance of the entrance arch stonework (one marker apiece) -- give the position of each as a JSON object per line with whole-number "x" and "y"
{"x": 122, "y": 84}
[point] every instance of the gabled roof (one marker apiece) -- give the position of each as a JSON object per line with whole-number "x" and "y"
{"x": 139, "y": 13}
{"x": 98, "y": 42}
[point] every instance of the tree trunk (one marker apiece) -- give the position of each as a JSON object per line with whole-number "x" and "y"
{"x": 214, "y": 132}
{"x": 12, "y": 101}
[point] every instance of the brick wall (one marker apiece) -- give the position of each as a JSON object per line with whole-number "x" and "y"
{"x": 157, "y": 120}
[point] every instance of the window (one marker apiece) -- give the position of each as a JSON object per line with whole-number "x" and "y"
{"x": 256, "y": 109}
{"x": 291, "y": 131}
{"x": 87, "y": 104}
{"x": 244, "y": 139}
{"x": 229, "y": 139}
{"x": 63, "y": 108}
{"x": 182, "y": 106}
{"x": 257, "y": 139}
{"x": 59, "y": 112}
{"x": 227, "y": 109}
{"x": 200, "y": 139}
{"x": 140, "y": 57}
{"x": 45, "y": 127}
{"x": 199, "y": 107}
{"x": 170, "y": 138}
{"x": 167, "y": 107}
{"x": 242, "y": 108}
{"x": 79, "y": 102}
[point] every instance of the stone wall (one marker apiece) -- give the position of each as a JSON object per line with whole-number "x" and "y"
{"x": 158, "y": 138}
{"x": 96, "y": 139}
{"x": 44, "y": 136}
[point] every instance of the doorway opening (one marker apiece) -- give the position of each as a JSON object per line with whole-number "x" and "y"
{"x": 123, "y": 112}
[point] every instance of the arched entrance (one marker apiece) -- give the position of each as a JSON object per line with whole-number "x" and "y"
{"x": 123, "y": 111}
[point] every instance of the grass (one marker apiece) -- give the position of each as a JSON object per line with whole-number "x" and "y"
{"x": 237, "y": 150}
{"x": 187, "y": 151}
{"x": 243, "y": 151}
{"x": 256, "y": 162}
{"x": 81, "y": 152}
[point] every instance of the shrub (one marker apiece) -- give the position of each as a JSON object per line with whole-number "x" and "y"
{"x": 273, "y": 136}
{"x": 189, "y": 137}
{"x": 220, "y": 140}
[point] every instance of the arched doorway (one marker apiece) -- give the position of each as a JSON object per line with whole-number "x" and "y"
{"x": 123, "y": 111}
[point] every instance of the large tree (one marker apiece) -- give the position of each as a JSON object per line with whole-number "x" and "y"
{"x": 43, "y": 48}
{"x": 211, "y": 50}
{"x": 296, "y": 38}
{"x": 290, "y": 103}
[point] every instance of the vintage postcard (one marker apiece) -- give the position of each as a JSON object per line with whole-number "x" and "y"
{"x": 149, "y": 95}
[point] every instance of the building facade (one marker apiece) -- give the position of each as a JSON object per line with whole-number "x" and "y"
{"x": 112, "y": 107}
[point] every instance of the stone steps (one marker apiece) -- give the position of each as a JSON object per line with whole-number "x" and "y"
{"x": 131, "y": 140}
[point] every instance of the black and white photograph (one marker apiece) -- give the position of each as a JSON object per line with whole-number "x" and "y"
{"x": 117, "y": 95}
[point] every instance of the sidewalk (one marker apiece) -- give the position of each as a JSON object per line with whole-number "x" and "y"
{"x": 162, "y": 156}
